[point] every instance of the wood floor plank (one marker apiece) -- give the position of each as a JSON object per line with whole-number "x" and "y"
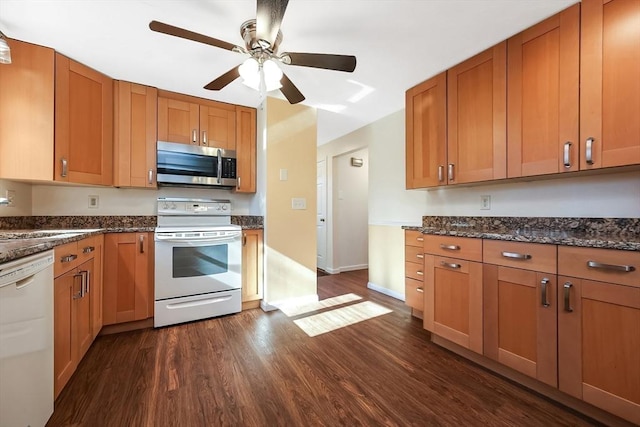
{"x": 259, "y": 369}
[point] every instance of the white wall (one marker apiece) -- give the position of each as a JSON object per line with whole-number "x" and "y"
{"x": 350, "y": 201}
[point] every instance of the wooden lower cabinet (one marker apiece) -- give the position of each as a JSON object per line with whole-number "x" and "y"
{"x": 128, "y": 277}
{"x": 453, "y": 300}
{"x": 414, "y": 271}
{"x": 252, "y": 265}
{"x": 74, "y": 313}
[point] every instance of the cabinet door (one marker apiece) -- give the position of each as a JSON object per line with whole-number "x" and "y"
{"x": 218, "y": 127}
{"x": 178, "y": 121}
{"x": 127, "y": 281}
{"x": 609, "y": 83}
{"x": 520, "y": 315}
{"x": 543, "y": 73}
{"x": 252, "y": 250}
{"x": 426, "y": 133}
{"x": 599, "y": 344}
{"x": 83, "y": 124}
{"x": 66, "y": 289}
{"x": 453, "y": 300}
{"x": 83, "y": 327}
{"x": 246, "y": 145}
{"x": 476, "y": 121}
{"x": 26, "y": 133}
{"x": 135, "y": 135}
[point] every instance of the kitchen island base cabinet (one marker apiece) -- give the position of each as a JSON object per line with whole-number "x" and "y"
{"x": 128, "y": 277}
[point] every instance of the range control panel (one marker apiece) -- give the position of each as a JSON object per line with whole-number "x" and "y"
{"x": 208, "y": 207}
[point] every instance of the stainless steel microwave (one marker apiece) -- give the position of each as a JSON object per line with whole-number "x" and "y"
{"x": 195, "y": 166}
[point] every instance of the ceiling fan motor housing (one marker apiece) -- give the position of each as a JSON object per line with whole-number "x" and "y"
{"x": 253, "y": 44}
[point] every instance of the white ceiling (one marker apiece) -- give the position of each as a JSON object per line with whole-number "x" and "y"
{"x": 398, "y": 43}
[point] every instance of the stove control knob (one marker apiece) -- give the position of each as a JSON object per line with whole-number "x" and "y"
{"x": 165, "y": 205}
{"x": 173, "y": 205}
{"x": 224, "y": 207}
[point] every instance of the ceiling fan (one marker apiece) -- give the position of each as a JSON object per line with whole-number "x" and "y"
{"x": 262, "y": 37}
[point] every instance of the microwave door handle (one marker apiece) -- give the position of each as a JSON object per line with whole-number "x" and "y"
{"x": 219, "y": 166}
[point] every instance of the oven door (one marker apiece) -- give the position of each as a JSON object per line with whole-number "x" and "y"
{"x": 187, "y": 266}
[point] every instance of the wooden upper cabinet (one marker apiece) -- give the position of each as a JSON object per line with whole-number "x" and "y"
{"x": 610, "y": 83}
{"x": 426, "y": 133}
{"x": 189, "y": 120}
{"x": 542, "y": 96}
{"x": 178, "y": 121}
{"x": 26, "y": 113}
{"x": 135, "y": 135}
{"x": 246, "y": 146}
{"x": 218, "y": 127}
{"x": 83, "y": 124}
{"x": 476, "y": 120}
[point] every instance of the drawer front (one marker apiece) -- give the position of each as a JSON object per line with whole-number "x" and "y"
{"x": 604, "y": 265}
{"x": 66, "y": 258}
{"x": 414, "y": 254}
{"x": 413, "y": 238}
{"x": 414, "y": 271}
{"x": 86, "y": 249}
{"x": 527, "y": 256}
{"x": 414, "y": 294}
{"x": 456, "y": 247}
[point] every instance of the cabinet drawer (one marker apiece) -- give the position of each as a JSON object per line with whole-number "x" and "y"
{"x": 605, "y": 265}
{"x": 413, "y": 294}
{"x": 413, "y": 238}
{"x": 414, "y": 271}
{"x": 86, "y": 249}
{"x": 527, "y": 256}
{"x": 414, "y": 254}
{"x": 66, "y": 258}
{"x": 457, "y": 247}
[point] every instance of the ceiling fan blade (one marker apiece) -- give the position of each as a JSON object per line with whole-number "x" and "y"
{"x": 290, "y": 91}
{"x": 268, "y": 19}
{"x": 161, "y": 27}
{"x": 224, "y": 79}
{"x": 321, "y": 60}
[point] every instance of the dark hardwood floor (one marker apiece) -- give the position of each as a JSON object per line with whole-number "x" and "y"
{"x": 260, "y": 369}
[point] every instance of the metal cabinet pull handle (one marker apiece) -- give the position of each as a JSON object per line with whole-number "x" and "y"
{"x": 204, "y": 137}
{"x": 421, "y": 256}
{"x": 194, "y": 136}
{"x": 449, "y": 247}
{"x": 567, "y": 154}
{"x": 244, "y": 240}
{"x": 450, "y": 171}
{"x": 567, "y": 297}
{"x": 80, "y": 294}
{"x": 450, "y": 265}
{"x": 420, "y": 290}
{"x": 88, "y": 281}
{"x": 65, "y": 167}
{"x": 420, "y": 239}
{"x": 613, "y": 267}
{"x": 68, "y": 258}
{"x": 150, "y": 176}
{"x": 238, "y": 183}
{"x": 589, "y": 150}
{"x": 419, "y": 273}
{"x": 141, "y": 244}
{"x": 88, "y": 249}
{"x": 543, "y": 286}
{"x": 515, "y": 255}
{"x": 440, "y": 173}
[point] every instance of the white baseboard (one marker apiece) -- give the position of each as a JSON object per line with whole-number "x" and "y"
{"x": 305, "y": 299}
{"x": 345, "y": 268}
{"x": 389, "y": 292}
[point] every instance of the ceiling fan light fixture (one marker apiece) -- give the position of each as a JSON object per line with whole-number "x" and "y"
{"x": 5, "y": 50}
{"x": 253, "y": 73}
{"x": 250, "y": 73}
{"x": 272, "y": 75}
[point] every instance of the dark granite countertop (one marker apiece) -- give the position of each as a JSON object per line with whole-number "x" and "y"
{"x": 585, "y": 232}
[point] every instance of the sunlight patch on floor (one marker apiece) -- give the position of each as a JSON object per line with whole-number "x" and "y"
{"x": 296, "y": 309}
{"x": 340, "y": 317}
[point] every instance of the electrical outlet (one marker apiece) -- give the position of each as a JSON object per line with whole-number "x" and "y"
{"x": 299, "y": 203}
{"x": 485, "y": 202}
{"x": 94, "y": 202}
{"x": 11, "y": 197}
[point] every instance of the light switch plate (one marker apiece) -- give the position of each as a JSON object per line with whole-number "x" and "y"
{"x": 284, "y": 174}
{"x": 299, "y": 203}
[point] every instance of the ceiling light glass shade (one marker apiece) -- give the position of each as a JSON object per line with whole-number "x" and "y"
{"x": 5, "y": 52}
{"x": 272, "y": 75}
{"x": 250, "y": 73}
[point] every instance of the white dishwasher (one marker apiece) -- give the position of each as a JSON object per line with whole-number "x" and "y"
{"x": 26, "y": 341}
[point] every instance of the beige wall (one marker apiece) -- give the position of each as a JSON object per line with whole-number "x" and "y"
{"x": 290, "y": 235}
{"x": 386, "y": 260}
